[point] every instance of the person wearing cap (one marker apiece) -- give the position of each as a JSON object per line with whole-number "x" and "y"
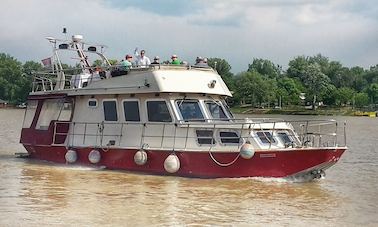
{"x": 175, "y": 60}
{"x": 141, "y": 59}
{"x": 200, "y": 62}
{"x": 156, "y": 61}
{"x": 126, "y": 64}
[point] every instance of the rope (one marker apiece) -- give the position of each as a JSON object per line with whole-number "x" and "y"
{"x": 223, "y": 164}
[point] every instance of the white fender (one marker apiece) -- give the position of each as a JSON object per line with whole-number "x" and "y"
{"x": 70, "y": 156}
{"x": 172, "y": 163}
{"x": 140, "y": 157}
{"x": 247, "y": 151}
{"x": 94, "y": 156}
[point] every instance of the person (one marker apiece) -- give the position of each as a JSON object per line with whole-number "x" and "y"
{"x": 200, "y": 62}
{"x": 126, "y": 64}
{"x": 175, "y": 60}
{"x": 156, "y": 61}
{"x": 141, "y": 60}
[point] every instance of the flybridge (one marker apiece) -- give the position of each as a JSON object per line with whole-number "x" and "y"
{"x": 107, "y": 78}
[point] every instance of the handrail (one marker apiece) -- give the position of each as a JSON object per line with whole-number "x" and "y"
{"x": 315, "y": 136}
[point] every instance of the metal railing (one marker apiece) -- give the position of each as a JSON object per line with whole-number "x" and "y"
{"x": 46, "y": 80}
{"x": 182, "y": 135}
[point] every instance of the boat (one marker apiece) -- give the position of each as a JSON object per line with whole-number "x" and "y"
{"x": 164, "y": 120}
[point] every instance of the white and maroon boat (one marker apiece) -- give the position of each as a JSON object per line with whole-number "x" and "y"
{"x": 165, "y": 120}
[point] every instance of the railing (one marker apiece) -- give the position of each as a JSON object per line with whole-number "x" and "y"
{"x": 46, "y": 81}
{"x": 182, "y": 135}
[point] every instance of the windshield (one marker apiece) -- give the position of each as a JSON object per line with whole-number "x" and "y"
{"x": 216, "y": 110}
{"x": 190, "y": 110}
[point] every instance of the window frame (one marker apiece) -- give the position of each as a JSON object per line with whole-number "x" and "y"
{"x": 241, "y": 140}
{"x": 123, "y": 108}
{"x": 176, "y": 103}
{"x": 213, "y": 138}
{"x": 261, "y": 142}
{"x": 168, "y": 107}
{"x": 90, "y": 100}
{"x": 225, "y": 112}
{"x": 103, "y": 109}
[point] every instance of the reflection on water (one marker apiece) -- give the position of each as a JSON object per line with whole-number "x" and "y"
{"x": 35, "y": 193}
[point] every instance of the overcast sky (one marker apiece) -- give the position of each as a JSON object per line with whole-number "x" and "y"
{"x": 236, "y": 30}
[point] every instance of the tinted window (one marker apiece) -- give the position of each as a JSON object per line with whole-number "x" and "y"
{"x": 158, "y": 111}
{"x": 92, "y": 103}
{"x": 110, "y": 111}
{"x": 284, "y": 137}
{"x": 205, "y": 137}
{"x": 265, "y": 137}
{"x": 229, "y": 137}
{"x": 131, "y": 110}
{"x": 216, "y": 110}
{"x": 190, "y": 110}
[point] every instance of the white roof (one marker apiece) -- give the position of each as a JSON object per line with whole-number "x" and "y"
{"x": 167, "y": 79}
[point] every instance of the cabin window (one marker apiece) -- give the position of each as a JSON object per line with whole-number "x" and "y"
{"x": 284, "y": 137}
{"x": 205, "y": 137}
{"x": 266, "y": 137}
{"x": 190, "y": 110}
{"x": 229, "y": 137}
{"x": 158, "y": 111}
{"x": 92, "y": 103}
{"x": 216, "y": 110}
{"x": 110, "y": 110}
{"x": 131, "y": 110}
{"x": 227, "y": 108}
{"x": 53, "y": 109}
{"x": 29, "y": 114}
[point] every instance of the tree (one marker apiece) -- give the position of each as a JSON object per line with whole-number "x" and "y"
{"x": 315, "y": 81}
{"x": 361, "y": 99}
{"x": 297, "y": 67}
{"x": 372, "y": 92}
{"x": 10, "y": 78}
{"x": 265, "y": 68}
{"x": 344, "y": 95}
{"x": 289, "y": 89}
{"x": 223, "y": 68}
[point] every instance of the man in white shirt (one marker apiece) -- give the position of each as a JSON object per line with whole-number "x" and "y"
{"x": 141, "y": 60}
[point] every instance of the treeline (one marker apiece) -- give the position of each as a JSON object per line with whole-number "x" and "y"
{"x": 307, "y": 80}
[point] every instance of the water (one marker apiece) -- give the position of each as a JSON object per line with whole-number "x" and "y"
{"x": 34, "y": 193}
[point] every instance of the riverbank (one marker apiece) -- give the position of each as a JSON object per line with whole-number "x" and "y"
{"x": 344, "y": 111}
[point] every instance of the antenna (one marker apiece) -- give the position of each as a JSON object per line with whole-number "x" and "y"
{"x": 65, "y": 33}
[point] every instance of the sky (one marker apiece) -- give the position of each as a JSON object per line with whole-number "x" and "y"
{"x": 236, "y": 30}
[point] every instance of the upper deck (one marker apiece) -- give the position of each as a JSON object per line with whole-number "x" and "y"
{"x": 153, "y": 79}
{"x": 87, "y": 79}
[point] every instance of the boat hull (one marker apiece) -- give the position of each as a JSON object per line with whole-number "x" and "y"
{"x": 265, "y": 163}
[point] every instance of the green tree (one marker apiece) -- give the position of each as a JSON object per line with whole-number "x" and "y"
{"x": 265, "y": 68}
{"x": 223, "y": 68}
{"x": 372, "y": 92}
{"x": 345, "y": 95}
{"x": 10, "y": 78}
{"x": 315, "y": 81}
{"x": 361, "y": 99}
{"x": 289, "y": 89}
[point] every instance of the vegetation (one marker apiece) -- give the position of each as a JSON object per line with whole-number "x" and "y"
{"x": 308, "y": 81}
